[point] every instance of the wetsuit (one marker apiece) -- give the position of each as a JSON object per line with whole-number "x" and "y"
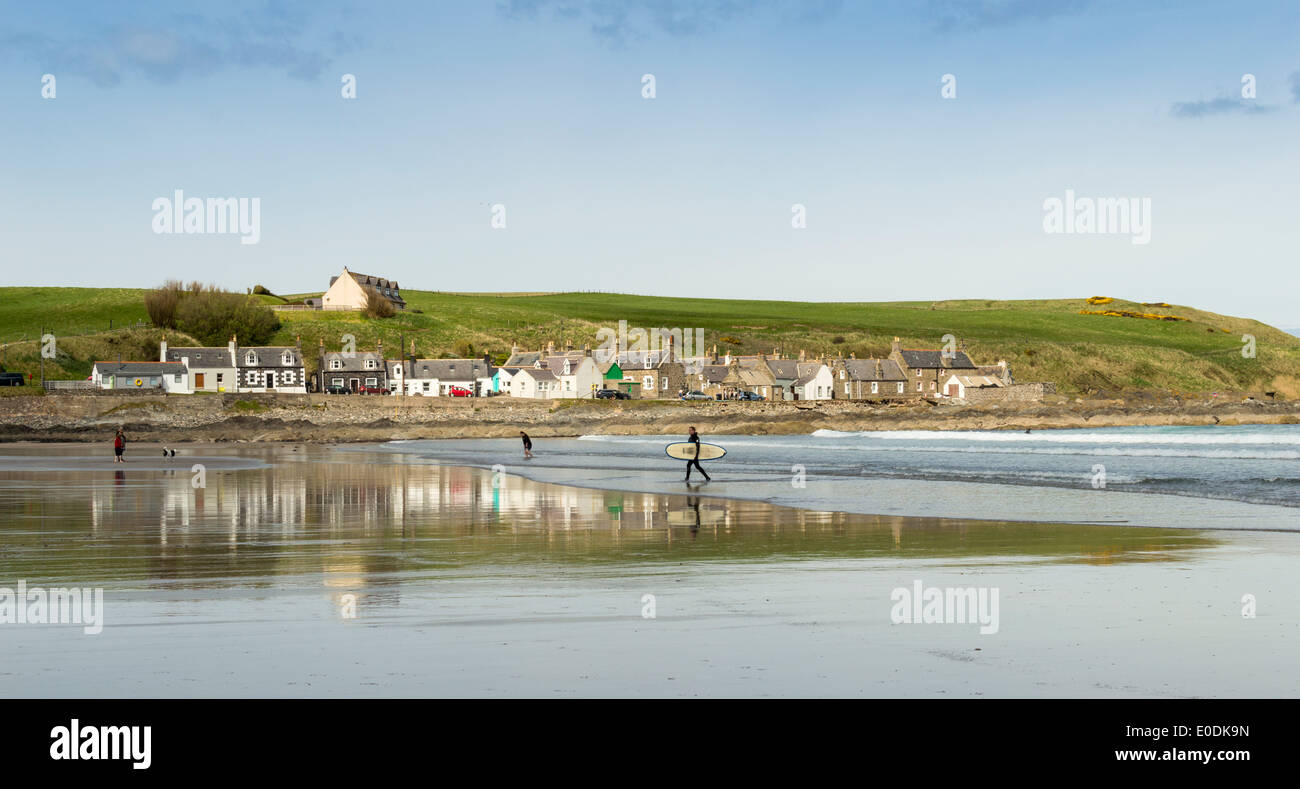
{"x": 528, "y": 444}
{"x": 695, "y": 461}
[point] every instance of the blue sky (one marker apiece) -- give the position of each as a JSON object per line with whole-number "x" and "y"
{"x": 760, "y": 104}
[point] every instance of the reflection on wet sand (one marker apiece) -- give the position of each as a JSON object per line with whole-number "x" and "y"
{"x": 375, "y": 519}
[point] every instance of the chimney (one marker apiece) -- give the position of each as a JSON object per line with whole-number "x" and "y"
{"x": 297, "y": 341}
{"x": 586, "y": 349}
{"x": 162, "y": 350}
{"x": 895, "y": 347}
{"x": 803, "y": 355}
{"x": 568, "y": 346}
{"x": 233, "y": 347}
{"x": 514, "y": 349}
{"x": 879, "y": 369}
{"x": 550, "y": 347}
{"x": 321, "y": 343}
{"x": 672, "y": 348}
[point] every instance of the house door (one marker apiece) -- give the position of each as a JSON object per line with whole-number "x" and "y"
{"x": 354, "y": 384}
{"x": 270, "y": 381}
{"x": 198, "y": 380}
{"x": 952, "y": 390}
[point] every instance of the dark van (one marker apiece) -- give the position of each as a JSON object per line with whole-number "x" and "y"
{"x": 12, "y": 379}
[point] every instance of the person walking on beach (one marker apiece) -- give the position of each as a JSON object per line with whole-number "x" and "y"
{"x": 528, "y": 444}
{"x": 694, "y": 438}
{"x": 119, "y": 446}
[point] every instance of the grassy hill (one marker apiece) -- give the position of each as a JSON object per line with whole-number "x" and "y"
{"x": 1041, "y": 340}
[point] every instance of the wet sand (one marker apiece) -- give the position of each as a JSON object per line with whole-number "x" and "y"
{"x": 468, "y": 583}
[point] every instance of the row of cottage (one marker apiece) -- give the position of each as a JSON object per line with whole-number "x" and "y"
{"x": 569, "y": 373}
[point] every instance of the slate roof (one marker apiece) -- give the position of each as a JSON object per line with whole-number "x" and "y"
{"x": 714, "y": 373}
{"x": 451, "y": 369}
{"x": 866, "y": 370}
{"x": 979, "y": 381}
{"x": 353, "y": 362}
{"x": 929, "y": 360}
{"x": 267, "y": 355}
{"x": 139, "y": 368}
{"x": 785, "y": 369}
{"x": 201, "y": 357}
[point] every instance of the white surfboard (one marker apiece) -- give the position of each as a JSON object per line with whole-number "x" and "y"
{"x": 685, "y": 450}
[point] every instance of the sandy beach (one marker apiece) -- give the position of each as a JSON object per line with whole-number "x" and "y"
{"x": 469, "y": 582}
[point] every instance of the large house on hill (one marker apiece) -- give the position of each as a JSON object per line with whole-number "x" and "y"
{"x": 348, "y": 291}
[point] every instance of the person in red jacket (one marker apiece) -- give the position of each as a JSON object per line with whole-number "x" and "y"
{"x": 119, "y": 446}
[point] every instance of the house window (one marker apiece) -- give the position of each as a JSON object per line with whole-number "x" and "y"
{"x": 426, "y": 386}
{"x": 372, "y": 382}
{"x": 370, "y": 364}
{"x": 842, "y": 376}
{"x": 287, "y": 359}
{"x": 663, "y": 384}
{"x": 900, "y": 387}
{"x": 918, "y": 386}
{"x": 648, "y": 382}
{"x": 932, "y": 386}
{"x": 336, "y": 382}
{"x": 219, "y": 376}
{"x": 918, "y": 373}
{"x": 177, "y": 378}
{"x": 335, "y": 364}
{"x": 875, "y": 387}
{"x": 846, "y": 390}
{"x": 250, "y": 359}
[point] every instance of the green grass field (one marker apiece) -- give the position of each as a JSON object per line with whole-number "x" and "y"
{"x": 1041, "y": 340}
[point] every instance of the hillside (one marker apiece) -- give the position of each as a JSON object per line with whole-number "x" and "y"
{"x": 1041, "y": 340}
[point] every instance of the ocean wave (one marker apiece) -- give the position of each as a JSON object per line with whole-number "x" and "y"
{"x": 1276, "y": 435}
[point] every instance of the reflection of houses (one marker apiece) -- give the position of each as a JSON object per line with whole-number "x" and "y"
{"x": 169, "y": 377}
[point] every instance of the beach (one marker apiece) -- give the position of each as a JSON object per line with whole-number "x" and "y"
{"x": 385, "y": 570}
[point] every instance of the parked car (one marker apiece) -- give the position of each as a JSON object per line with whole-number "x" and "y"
{"x": 12, "y": 379}
{"x": 459, "y": 391}
{"x": 372, "y": 390}
{"x": 696, "y": 394}
{"x": 750, "y": 396}
{"x": 337, "y": 390}
{"x": 612, "y": 394}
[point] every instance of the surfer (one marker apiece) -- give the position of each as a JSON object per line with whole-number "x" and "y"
{"x": 694, "y": 438}
{"x": 528, "y": 444}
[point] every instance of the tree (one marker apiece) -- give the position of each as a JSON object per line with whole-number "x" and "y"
{"x": 212, "y": 316}
{"x": 377, "y": 304}
{"x": 161, "y": 303}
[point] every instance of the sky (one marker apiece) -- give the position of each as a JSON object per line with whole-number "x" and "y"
{"x": 533, "y": 114}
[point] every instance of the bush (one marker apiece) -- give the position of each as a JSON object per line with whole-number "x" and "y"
{"x": 161, "y": 303}
{"x": 464, "y": 349}
{"x": 378, "y": 305}
{"x": 212, "y": 316}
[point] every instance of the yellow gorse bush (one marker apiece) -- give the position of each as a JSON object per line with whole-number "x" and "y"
{"x": 1127, "y": 314}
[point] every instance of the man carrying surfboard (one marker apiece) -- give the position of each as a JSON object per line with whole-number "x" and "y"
{"x": 694, "y": 438}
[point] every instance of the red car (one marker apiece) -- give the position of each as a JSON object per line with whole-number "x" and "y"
{"x": 372, "y": 390}
{"x": 459, "y": 391}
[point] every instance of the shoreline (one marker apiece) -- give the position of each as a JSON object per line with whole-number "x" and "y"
{"x": 324, "y": 419}
{"x": 470, "y": 589}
